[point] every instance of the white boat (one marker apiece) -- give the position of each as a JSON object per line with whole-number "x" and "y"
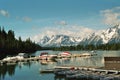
{"x": 64, "y": 54}
{"x": 86, "y": 54}
{"x": 47, "y": 71}
{"x": 43, "y": 55}
{"x": 46, "y": 56}
{"x": 22, "y": 56}
{"x": 91, "y": 53}
{"x": 9, "y": 58}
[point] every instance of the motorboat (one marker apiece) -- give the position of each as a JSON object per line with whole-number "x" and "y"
{"x": 43, "y": 56}
{"x": 46, "y": 56}
{"x": 9, "y": 58}
{"x": 64, "y": 54}
{"x": 91, "y": 53}
{"x": 21, "y": 56}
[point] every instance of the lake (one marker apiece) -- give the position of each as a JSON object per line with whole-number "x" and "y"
{"x": 31, "y": 70}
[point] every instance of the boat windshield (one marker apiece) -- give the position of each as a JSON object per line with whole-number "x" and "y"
{"x": 44, "y": 53}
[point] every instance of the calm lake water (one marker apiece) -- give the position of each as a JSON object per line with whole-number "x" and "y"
{"x": 31, "y": 70}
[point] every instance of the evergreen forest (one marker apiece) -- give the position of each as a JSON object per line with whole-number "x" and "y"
{"x": 108, "y": 46}
{"x": 9, "y": 45}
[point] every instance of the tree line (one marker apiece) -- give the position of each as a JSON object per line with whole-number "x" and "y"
{"x": 108, "y": 46}
{"x": 9, "y": 45}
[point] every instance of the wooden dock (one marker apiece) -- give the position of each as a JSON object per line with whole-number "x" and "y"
{"x": 37, "y": 58}
{"x": 87, "y": 69}
{"x": 93, "y": 70}
{"x": 19, "y": 60}
{"x": 77, "y": 55}
{"x": 88, "y": 73}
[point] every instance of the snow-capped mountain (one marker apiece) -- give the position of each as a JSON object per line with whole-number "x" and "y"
{"x": 111, "y": 35}
{"x": 59, "y": 40}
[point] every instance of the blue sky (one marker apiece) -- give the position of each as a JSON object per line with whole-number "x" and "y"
{"x": 30, "y": 18}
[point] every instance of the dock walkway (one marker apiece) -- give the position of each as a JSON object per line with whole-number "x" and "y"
{"x": 19, "y": 60}
{"x": 38, "y": 58}
{"x": 86, "y": 69}
{"x": 81, "y": 73}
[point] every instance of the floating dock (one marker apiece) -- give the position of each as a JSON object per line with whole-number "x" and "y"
{"x": 84, "y": 73}
{"x": 82, "y": 69}
{"x": 12, "y": 61}
{"x": 19, "y": 60}
{"x": 37, "y": 58}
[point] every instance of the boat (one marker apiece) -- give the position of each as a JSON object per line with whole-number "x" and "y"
{"x": 64, "y": 54}
{"x": 46, "y": 62}
{"x": 89, "y": 53}
{"x": 85, "y": 54}
{"x": 43, "y": 56}
{"x": 46, "y": 56}
{"x": 66, "y": 72}
{"x": 22, "y": 56}
{"x": 47, "y": 71}
{"x": 8, "y": 58}
{"x": 51, "y": 57}
{"x": 76, "y": 76}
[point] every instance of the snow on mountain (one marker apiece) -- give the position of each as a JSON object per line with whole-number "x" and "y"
{"x": 59, "y": 40}
{"x": 116, "y": 36}
{"x": 111, "y": 35}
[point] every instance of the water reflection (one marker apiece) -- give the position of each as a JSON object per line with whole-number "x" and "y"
{"x": 59, "y": 78}
{"x": 31, "y": 69}
{"x": 82, "y": 61}
{"x": 63, "y": 61}
{"x": 44, "y": 64}
{"x": 22, "y": 64}
{"x": 47, "y": 62}
{"x": 7, "y": 69}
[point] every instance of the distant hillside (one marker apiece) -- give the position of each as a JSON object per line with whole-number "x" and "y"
{"x": 9, "y": 45}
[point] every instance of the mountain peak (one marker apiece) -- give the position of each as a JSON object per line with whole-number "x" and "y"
{"x": 59, "y": 40}
{"x": 111, "y": 35}
{"x": 117, "y": 26}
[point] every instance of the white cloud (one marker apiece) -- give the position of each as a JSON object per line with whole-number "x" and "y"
{"x": 111, "y": 16}
{"x": 75, "y": 31}
{"x": 4, "y": 13}
{"x": 27, "y": 19}
{"x": 62, "y": 23}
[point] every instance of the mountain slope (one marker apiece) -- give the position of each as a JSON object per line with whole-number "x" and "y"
{"x": 59, "y": 40}
{"x": 111, "y": 35}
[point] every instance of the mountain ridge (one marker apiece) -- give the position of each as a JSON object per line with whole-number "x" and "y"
{"x": 110, "y": 35}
